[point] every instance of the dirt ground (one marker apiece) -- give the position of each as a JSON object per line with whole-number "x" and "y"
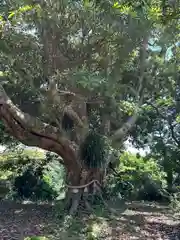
{"x": 135, "y": 220}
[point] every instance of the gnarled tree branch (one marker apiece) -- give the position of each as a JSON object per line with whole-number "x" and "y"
{"x": 32, "y": 132}
{"x": 122, "y": 132}
{"x": 171, "y": 126}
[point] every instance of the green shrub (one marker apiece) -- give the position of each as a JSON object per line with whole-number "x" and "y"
{"x": 53, "y": 179}
{"x": 23, "y": 153}
{"x": 27, "y": 184}
{"x": 138, "y": 178}
{"x": 36, "y": 179}
{"x": 14, "y": 161}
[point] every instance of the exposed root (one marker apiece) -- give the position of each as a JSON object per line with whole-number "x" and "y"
{"x": 79, "y": 194}
{"x": 88, "y": 206}
{"x": 74, "y": 207}
{"x": 111, "y": 210}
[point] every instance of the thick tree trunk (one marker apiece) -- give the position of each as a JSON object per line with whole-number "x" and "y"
{"x": 83, "y": 184}
{"x": 169, "y": 179}
{"x": 168, "y": 168}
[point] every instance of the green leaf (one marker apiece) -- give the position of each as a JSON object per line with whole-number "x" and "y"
{"x": 155, "y": 13}
{"x": 12, "y": 14}
{"x": 116, "y": 5}
{"x": 178, "y": 118}
{"x": 125, "y": 9}
{"x": 1, "y": 18}
{"x": 23, "y": 9}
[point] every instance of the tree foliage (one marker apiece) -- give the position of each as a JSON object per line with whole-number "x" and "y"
{"x": 59, "y": 58}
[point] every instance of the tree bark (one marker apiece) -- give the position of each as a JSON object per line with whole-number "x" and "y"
{"x": 32, "y": 132}
{"x": 82, "y": 185}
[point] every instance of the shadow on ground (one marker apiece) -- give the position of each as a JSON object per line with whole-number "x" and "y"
{"x": 136, "y": 220}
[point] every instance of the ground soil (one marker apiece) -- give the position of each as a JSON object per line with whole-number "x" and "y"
{"x": 135, "y": 220}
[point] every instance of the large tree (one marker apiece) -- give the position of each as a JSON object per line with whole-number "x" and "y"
{"x": 75, "y": 71}
{"x": 159, "y": 125}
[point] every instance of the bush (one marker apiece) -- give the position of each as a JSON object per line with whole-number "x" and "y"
{"x": 14, "y": 161}
{"x": 53, "y": 179}
{"x": 27, "y": 184}
{"x": 138, "y": 179}
{"x": 36, "y": 179}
